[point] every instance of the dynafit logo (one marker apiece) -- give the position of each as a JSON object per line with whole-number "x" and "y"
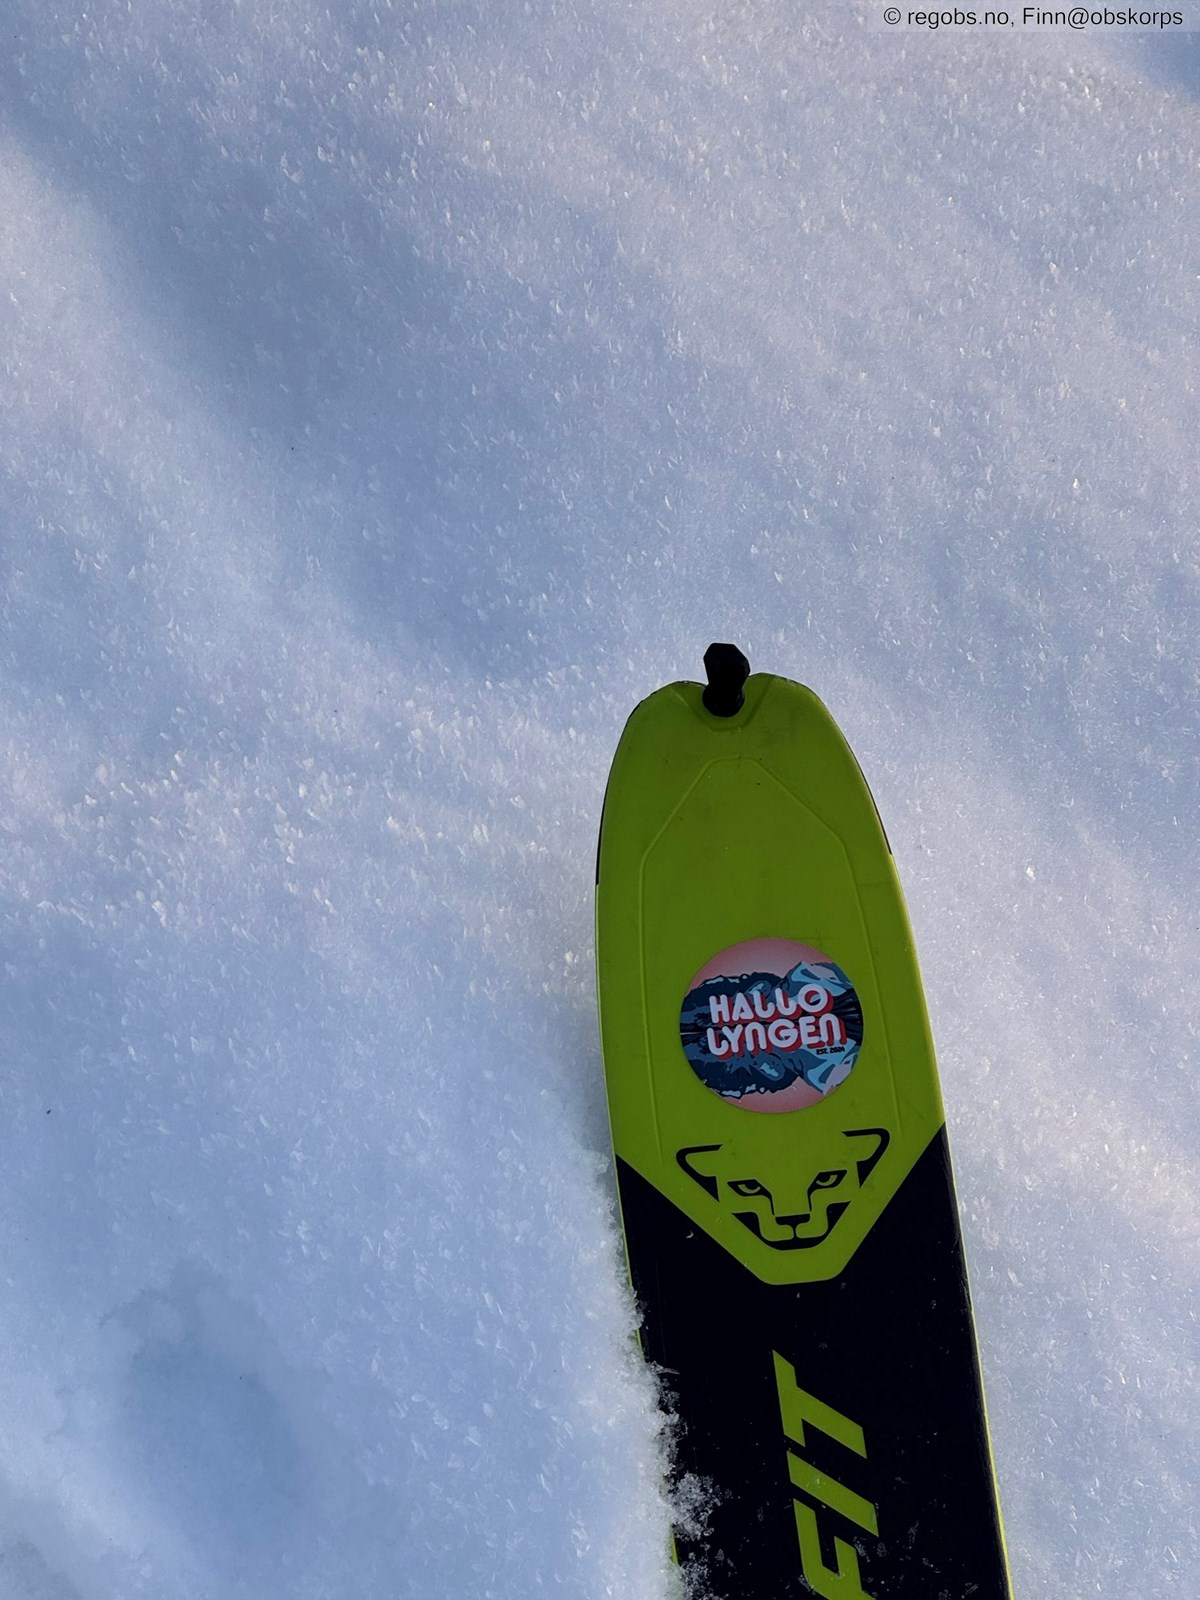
{"x": 771, "y": 1024}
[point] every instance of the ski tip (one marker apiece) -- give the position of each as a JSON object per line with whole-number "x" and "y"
{"x": 727, "y": 670}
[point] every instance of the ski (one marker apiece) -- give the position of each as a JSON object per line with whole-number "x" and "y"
{"x": 783, "y": 1174}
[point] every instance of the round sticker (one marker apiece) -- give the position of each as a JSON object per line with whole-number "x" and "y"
{"x": 771, "y": 1025}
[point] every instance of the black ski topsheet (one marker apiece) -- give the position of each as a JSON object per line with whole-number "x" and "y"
{"x": 888, "y": 1346}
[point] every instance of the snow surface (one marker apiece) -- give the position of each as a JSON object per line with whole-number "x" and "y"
{"x": 394, "y": 394}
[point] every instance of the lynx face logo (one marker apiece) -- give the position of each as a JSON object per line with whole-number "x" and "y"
{"x": 788, "y": 1210}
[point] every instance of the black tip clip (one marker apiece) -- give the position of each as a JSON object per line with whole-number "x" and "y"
{"x": 727, "y": 670}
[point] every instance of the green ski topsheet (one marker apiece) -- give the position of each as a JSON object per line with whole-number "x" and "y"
{"x": 785, "y": 1188}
